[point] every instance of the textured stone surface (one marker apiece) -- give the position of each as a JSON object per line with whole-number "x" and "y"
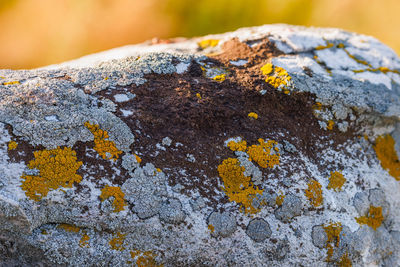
{"x": 272, "y": 145}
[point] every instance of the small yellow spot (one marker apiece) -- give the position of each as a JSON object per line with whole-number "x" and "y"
{"x": 328, "y": 45}
{"x": 331, "y": 123}
{"x": 11, "y": 83}
{"x": 12, "y": 145}
{"x": 332, "y": 230}
{"x": 211, "y": 228}
{"x": 317, "y": 106}
{"x": 69, "y": 227}
{"x": 386, "y": 153}
{"x": 341, "y": 45}
{"x": 267, "y": 69}
{"x": 198, "y": 95}
{"x": 114, "y": 191}
{"x": 84, "y": 242}
{"x": 106, "y": 78}
{"x": 220, "y": 78}
{"x": 336, "y": 181}
{"x": 158, "y": 169}
{"x": 314, "y": 193}
{"x": 366, "y": 137}
{"x": 138, "y": 159}
{"x": 57, "y": 168}
{"x": 44, "y": 232}
{"x": 208, "y": 43}
{"x": 105, "y": 148}
{"x": 117, "y": 242}
{"x": 253, "y": 115}
{"x": 279, "y": 200}
{"x": 286, "y": 91}
{"x": 373, "y": 219}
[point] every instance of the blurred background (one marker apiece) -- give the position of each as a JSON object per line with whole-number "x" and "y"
{"x": 35, "y": 33}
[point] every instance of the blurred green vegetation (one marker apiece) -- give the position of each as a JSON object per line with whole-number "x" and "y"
{"x": 41, "y": 32}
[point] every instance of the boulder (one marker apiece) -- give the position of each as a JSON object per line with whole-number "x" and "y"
{"x": 266, "y": 146}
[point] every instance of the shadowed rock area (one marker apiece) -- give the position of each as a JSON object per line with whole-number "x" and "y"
{"x": 268, "y": 146}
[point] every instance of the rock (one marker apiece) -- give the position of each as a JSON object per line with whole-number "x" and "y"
{"x": 268, "y": 146}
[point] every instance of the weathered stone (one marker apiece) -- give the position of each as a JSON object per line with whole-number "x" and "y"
{"x": 209, "y": 151}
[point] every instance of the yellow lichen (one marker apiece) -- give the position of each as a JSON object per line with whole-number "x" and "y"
{"x": 144, "y": 259}
{"x": 220, "y": 78}
{"x": 279, "y": 200}
{"x": 328, "y": 45}
{"x": 330, "y": 125}
{"x": 138, "y": 159}
{"x": 336, "y": 181}
{"x": 158, "y": 169}
{"x": 69, "y": 227}
{"x": 44, "y": 232}
{"x": 198, "y": 95}
{"x": 267, "y": 69}
{"x": 317, "y": 106}
{"x": 373, "y": 219}
{"x": 238, "y": 187}
{"x": 211, "y": 228}
{"x": 386, "y": 153}
{"x": 262, "y": 153}
{"x": 57, "y": 168}
{"x": 237, "y": 146}
{"x": 11, "y": 83}
{"x": 332, "y": 231}
{"x": 253, "y": 115}
{"x": 117, "y": 242}
{"x": 345, "y": 261}
{"x": 114, "y": 191}
{"x": 363, "y": 62}
{"x": 84, "y": 242}
{"x": 314, "y": 193}
{"x": 12, "y": 145}
{"x": 105, "y": 148}
{"x": 208, "y": 43}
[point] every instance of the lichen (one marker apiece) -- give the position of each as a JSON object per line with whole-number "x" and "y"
{"x": 330, "y": 125}
{"x": 114, "y": 191}
{"x": 345, "y": 261}
{"x": 253, "y": 115}
{"x": 105, "y": 148}
{"x": 262, "y": 153}
{"x": 237, "y": 146}
{"x": 279, "y": 200}
{"x": 144, "y": 259}
{"x": 386, "y": 153}
{"x": 12, "y": 145}
{"x": 314, "y": 193}
{"x": 84, "y": 242}
{"x": 198, "y": 95}
{"x": 208, "y": 43}
{"x": 211, "y": 228}
{"x": 373, "y": 219}
{"x": 276, "y": 76}
{"x": 332, "y": 231}
{"x": 138, "y": 159}
{"x": 220, "y": 78}
{"x": 69, "y": 227}
{"x": 57, "y": 168}
{"x": 328, "y": 45}
{"x": 117, "y": 242}
{"x": 238, "y": 187}
{"x": 336, "y": 181}
{"x": 11, "y": 83}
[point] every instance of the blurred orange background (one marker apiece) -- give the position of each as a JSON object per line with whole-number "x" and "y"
{"x": 35, "y": 33}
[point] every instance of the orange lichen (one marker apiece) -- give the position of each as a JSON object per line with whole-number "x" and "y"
{"x": 345, "y": 261}
{"x": 279, "y": 200}
{"x": 237, "y": 146}
{"x": 220, "y": 78}
{"x": 373, "y": 219}
{"x": 144, "y": 259}
{"x": 317, "y": 106}
{"x": 69, "y": 227}
{"x": 211, "y": 228}
{"x": 138, "y": 159}
{"x": 84, "y": 242}
{"x": 385, "y": 152}
{"x": 262, "y": 153}
{"x": 105, "y": 148}
{"x": 117, "y": 242}
{"x": 328, "y": 45}
{"x": 332, "y": 230}
{"x": 57, "y": 168}
{"x": 253, "y": 115}
{"x": 363, "y": 62}
{"x": 314, "y": 193}
{"x": 114, "y": 191}
{"x": 12, "y": 145}
{"x": 336, "y": 181}
{"x": 11, "y": 83}
{"x": 330, "y": 125}
{"x": 208, "y": 43}
{"x": 238, "y": 187}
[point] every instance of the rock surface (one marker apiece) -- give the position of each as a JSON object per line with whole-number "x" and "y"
{"x": 272, "y": 145}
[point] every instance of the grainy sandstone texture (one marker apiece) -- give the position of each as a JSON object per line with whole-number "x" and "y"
{"x": 268, "y": 146}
